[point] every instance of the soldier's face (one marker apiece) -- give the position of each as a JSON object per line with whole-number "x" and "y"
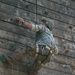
{"x": 44, "y": 24}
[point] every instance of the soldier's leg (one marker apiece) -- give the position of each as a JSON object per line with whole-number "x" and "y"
{"x": 42, "y": 58}
{"x": 41, "y": 61}
{"x": 18, "y": 54}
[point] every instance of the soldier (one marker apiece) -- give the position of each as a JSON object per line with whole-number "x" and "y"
{"x": 45, "y": 42}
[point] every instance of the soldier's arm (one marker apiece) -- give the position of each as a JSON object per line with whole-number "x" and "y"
{"x": 30, "y": 26}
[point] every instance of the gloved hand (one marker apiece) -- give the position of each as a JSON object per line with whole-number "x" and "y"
{"x": 20, "y": 19}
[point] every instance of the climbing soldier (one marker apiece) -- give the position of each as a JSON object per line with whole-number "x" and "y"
{"x": 45, "y": 42}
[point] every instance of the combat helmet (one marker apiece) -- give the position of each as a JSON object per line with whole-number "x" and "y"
{"x": 49, "y": 22}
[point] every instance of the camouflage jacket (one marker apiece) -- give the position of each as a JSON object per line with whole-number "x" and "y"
{"x": 43, "y": 36}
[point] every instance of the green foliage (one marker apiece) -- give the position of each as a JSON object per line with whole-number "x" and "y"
{"x": 2, "y": 59}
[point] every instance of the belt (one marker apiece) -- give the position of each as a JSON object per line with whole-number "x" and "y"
{"x": 37, "y": 50}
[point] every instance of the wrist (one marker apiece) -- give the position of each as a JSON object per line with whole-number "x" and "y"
{"x": 23, "y": 22}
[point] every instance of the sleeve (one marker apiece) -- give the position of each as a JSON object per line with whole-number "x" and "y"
{"x": 38, "y": 28}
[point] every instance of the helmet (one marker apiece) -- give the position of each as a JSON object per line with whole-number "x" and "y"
{"x": 49, "y": 22}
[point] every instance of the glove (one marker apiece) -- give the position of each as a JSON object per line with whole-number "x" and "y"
{"x": 20, "y": 19}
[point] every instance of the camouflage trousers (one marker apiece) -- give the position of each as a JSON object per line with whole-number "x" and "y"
{"x": 43, "y": 56}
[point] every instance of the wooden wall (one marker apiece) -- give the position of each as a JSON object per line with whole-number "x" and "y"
{"x": 63, "y": 14}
